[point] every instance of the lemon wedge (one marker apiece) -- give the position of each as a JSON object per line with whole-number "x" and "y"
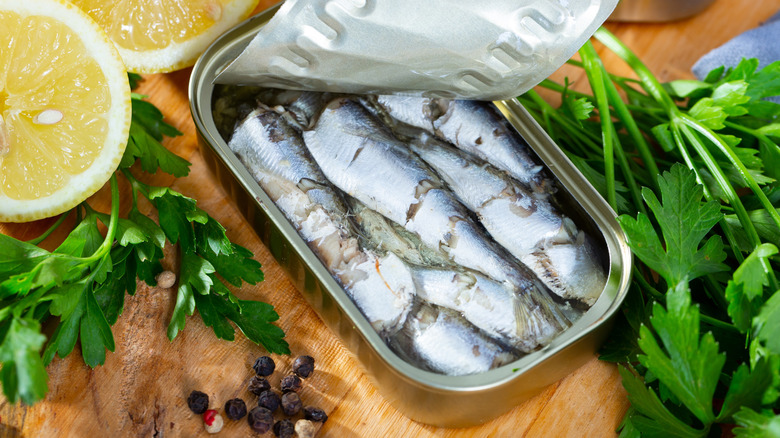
{"x": 64, "y": 108}
{"x": 162, "y": 36}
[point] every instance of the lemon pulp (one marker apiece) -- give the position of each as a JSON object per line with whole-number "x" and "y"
{"x": 158, "y": 36}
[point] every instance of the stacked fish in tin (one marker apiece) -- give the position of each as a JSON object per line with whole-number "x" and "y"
{"x": 433, "y": 214}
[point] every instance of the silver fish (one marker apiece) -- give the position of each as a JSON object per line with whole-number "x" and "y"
{"x": 303, "y": 106}
{"x": 530, "y": 228}
{"x": 441, "y": 341}
{"x": 378, "y": 232}
{"x": 360, "y": 155}
{"x": 380, "y": 285}
{"x": 473, "y": 127}
{"x": 266, "y": 139}
{"x": 514, "y": 319}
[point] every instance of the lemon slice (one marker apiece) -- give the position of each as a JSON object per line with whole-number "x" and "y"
{"x": 159, "y": 36}
{"x": 64, "y": 108}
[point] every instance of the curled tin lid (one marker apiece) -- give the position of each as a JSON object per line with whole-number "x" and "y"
{"x": 485, "y": 50}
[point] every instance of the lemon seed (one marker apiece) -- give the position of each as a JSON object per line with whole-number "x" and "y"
{"x": 48, "y": 117}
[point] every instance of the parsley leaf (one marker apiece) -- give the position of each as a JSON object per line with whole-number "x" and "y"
{"x": 22, "y": 374}
{"x": 684, "y": 221}
{"x": 176, "y": 212}
{"x": 767, "y": 324}
{"x": 756, "y": 425}
{"x": 709, "y": 113}
{"x": 747, "y": 389}
{"x": 146, "y": 132}
{"x": 688, "y": 364}
{"x": 649, "y": 415}
{"x": 194, "y": 279}
{"x": 744, "y": 292}
{"x": 255, "y": 320}
{"x": 94, "y": 332}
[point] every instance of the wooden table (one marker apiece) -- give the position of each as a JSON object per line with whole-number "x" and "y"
{"x": 141, "y": 389}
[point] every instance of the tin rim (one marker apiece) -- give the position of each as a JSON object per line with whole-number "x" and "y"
{"x": 201, "y": 91}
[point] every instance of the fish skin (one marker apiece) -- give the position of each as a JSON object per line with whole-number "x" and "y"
{"x": 439, "y": 340}
{"x": 514, "y": 319}
{"x": 272, "y": 150}
{"x": 302, "y": 106}
{"x": 530, "y": 228}
{"x": 360, "y": 155}
{"x": 377, "y": 232}
{"x": 474, "y": 127}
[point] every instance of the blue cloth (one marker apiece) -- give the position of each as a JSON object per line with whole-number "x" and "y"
{"x": 762, "y": 43}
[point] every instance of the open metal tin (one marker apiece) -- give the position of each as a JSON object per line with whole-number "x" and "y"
{"x": 450, "y": 401}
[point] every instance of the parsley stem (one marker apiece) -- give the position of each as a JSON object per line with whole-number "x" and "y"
{"x": 51, "y": 229}
{"x": 583, "y": 137}
{"x": 648, "y": 81}
{"x": 749, "y": 180}
{"x": 646, "y": 286}
{"x": 725, "y": 186}
{"x": 108, "y": 242}
{"x": 137, "y": 186}
{"x": 633, "y": 131}
{"x": 715, "y": 292}
{"x": 606, "y": 93}
{"x": 717, "y": 323}
{"x": 594, "y": 74}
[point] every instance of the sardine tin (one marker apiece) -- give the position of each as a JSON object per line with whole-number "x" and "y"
{"x": 420, "y": 395}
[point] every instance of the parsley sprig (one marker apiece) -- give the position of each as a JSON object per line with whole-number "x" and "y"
{"x": 84, "y": 281}
{"x": 692, "y": 167}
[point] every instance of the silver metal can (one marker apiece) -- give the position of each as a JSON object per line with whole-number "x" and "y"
{"x": 421, "y": 395}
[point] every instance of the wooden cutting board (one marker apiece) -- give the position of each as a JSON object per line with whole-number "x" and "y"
{"x": 141, "y": 389}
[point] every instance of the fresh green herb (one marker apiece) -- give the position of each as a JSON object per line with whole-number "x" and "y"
{"x": 84, "y": 281}
{"x": 698, "y": 337}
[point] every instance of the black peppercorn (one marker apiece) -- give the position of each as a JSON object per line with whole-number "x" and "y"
{"x": 264, "y": 366}
{"x": 235, "y": 409}
{"x": 284, "y": 428}
{"x": 258, "y": 384}
{"x": 303, "y": 366}
{"x": 290, "y": 382}
{"x": 269, "y": 400}
{"x": 260, "y": 419}
{"x": 315, "y": 414}
{"x": 291, "y": 403}
{"x": 198, "y": 402}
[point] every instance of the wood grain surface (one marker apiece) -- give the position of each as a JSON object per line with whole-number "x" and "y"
{"x": 141, "y": 389}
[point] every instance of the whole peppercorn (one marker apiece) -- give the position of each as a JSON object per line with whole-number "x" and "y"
{"x": 289, "y": 383}
{"x": 198, "y": 402}
{"x": 291, "y": 403}
{"x": 212, "y": 421}
{"x": 269, "y": 400}
{"x": 165, "y": 279}
{"x": 264, "y": 366}
{"x": 260, "y": 419}
{"x": 304, "y": 428}
{"x": 258, "y": 384}
{"x": 315, "y": 414}
{"x": 284, "y": 428}
{"x": 303, "y": 366}
{"x": 235, "y": 409}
